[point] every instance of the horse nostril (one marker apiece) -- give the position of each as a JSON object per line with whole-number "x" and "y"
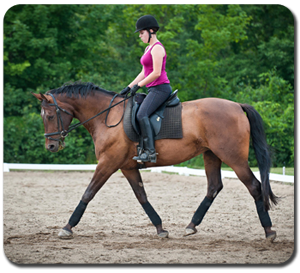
{"x": 51, "y": 147}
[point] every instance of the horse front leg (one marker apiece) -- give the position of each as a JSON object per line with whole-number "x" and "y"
{"x": 134, "y": 178}
{"x": 100, "y": 176}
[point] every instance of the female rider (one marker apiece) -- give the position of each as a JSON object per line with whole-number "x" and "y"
{"x": 154, "y": 77}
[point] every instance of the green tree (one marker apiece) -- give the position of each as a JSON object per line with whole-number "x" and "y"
{"x": 270, "y": 45}
{"x": 48, "y": 45}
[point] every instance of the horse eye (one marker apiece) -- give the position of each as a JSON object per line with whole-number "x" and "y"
{"x": 50, "y": 117}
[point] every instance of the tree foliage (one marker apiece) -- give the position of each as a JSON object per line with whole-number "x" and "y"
{"x": 241, "y": 53}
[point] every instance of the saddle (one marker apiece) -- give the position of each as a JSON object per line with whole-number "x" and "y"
{"x": 165, "y": 121}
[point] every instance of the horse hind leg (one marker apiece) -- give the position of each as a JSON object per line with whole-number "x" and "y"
{"x": 214, "y": 186}
{"x": 247, "y": 177}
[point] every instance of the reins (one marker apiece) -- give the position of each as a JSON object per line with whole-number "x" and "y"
{"x": 63, "y": 133}
{"x": 108, "y": 109}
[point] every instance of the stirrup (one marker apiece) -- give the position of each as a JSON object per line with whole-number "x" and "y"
{"x": 146, "y": 157}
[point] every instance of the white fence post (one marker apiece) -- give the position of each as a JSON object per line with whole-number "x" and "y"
{"x": 5, "y": 168}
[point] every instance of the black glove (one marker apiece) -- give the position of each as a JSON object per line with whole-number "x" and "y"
{"x": 134, "y": 89}
{"x": 125, "y": 91}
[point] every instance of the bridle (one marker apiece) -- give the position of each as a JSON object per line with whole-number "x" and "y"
{"x": 63, "y": 133}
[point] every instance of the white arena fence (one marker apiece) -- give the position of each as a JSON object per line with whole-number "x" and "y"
{"x": 170, "y": 169}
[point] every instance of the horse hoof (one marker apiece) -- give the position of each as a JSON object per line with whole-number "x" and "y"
{"x": 190, "y": 231}
{"x": 164, "y": 234}
{"x": 65, "y": 234}
{"x": 271, "y": 236}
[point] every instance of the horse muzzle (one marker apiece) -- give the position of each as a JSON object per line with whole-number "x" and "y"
{"x": 54, "y": 147}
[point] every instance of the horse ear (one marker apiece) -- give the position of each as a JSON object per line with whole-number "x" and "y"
{"x": 44, "y": 97}
{"x": 40, "y": 97}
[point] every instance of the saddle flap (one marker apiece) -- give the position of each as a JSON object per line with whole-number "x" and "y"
{"x": 135, "y": 108}
{"x": 155, "y": 121}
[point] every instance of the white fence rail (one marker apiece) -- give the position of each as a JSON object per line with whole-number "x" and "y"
{"x": 225, "y": 174}
{"x": 57, "y": 167}
{"x": 171, "y": 169}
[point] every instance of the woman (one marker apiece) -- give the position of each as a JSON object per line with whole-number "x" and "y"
{"x": 154, "y": 77}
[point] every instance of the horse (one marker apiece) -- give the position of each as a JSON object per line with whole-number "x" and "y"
{"x": 219, "y": 129}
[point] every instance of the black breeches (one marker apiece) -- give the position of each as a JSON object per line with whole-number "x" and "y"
{"x": 156, "y": 97}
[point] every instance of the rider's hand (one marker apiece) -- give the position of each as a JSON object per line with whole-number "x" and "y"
{"x": 125, "y": 90}
{"x": 134, "y": 89}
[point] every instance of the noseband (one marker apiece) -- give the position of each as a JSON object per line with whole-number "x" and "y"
{"x": 60, "y": 125}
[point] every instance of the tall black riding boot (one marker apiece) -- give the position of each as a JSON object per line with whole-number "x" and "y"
{"x": 148, "y": 154}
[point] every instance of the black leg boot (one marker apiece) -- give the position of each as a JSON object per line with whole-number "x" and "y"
{"x": 149, "y": 154}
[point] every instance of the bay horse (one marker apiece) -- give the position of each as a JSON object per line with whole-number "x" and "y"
{"x": 217, "y": 128}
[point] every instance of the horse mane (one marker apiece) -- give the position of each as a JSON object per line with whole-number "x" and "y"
{"x": 79, "y": 88}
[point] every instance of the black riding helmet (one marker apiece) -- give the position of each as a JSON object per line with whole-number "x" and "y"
{"x": 147, "y": 22}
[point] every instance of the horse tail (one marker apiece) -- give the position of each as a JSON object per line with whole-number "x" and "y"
{"x": 261, "y": 150}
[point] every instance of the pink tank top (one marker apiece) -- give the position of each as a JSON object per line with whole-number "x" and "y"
{"x": 147, "y": 63}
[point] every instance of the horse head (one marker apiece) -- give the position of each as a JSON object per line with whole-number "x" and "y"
{"x": 56, "y": 121}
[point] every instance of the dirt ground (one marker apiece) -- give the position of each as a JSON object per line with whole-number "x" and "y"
{"x": 115, "y": 229}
